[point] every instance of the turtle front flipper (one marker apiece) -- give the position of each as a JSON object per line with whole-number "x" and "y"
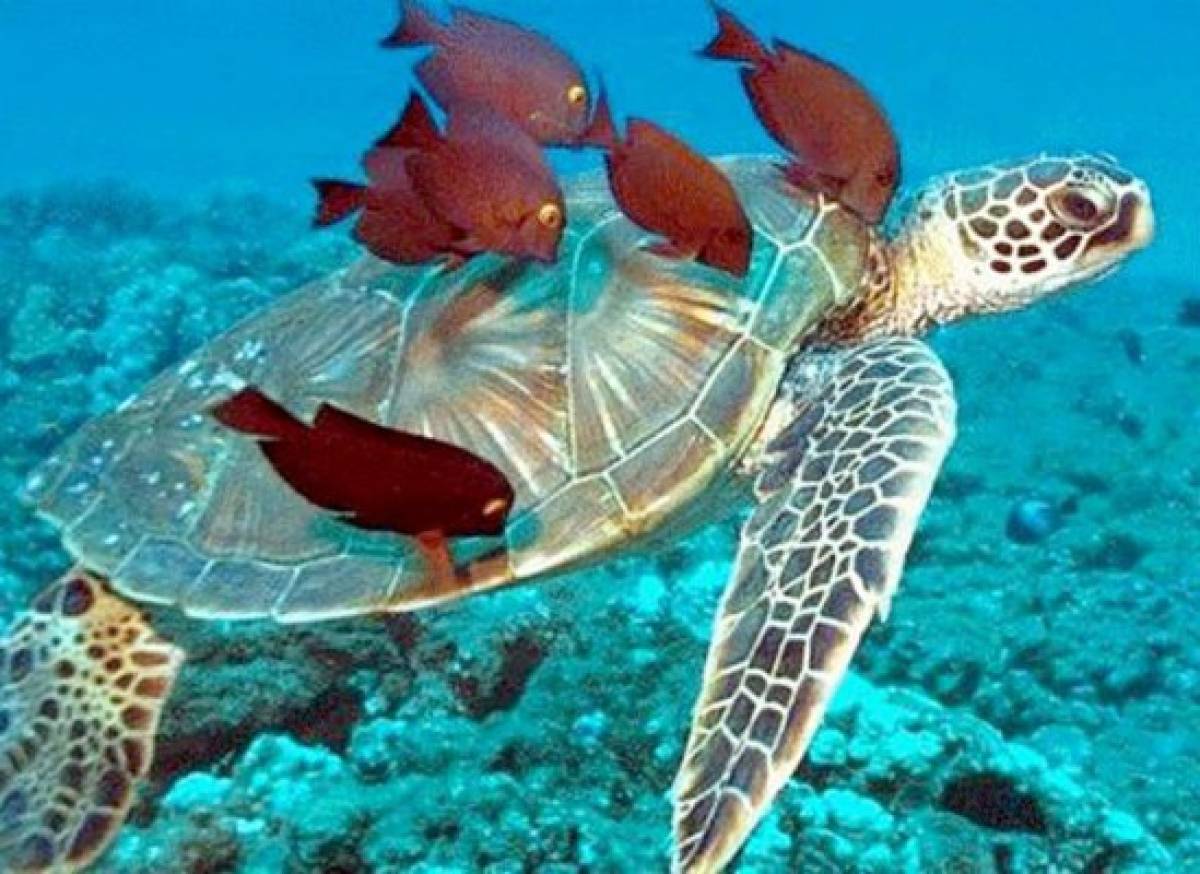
{"x": 839, "y": 492}
{"x": 83, "y": 680}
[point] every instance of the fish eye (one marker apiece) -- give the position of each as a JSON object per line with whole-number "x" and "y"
{"x": 550, "y": 215}
{"x": 577, "y": 95}
{"x": 1081, "y": 208}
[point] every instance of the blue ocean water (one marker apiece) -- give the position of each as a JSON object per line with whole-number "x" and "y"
{"x": 191, "y": 94}
{"x": 154, "y": 166}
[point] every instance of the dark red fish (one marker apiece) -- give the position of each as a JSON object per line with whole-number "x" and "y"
{"x": 488, "y": 179}
{"x": 668, "y": 189}
{"x": 378, "y": 478}
{"x": 396, "y": 224}
{"x": 483, "y": 186}
{"x": 485, "y": 61}
{"x": 840, "y": 139}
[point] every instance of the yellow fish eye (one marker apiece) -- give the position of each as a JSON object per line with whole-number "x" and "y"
{"x": 550, "y": 215}
{"x": 577, "y": 95}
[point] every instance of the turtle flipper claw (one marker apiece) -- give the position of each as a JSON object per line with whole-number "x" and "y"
{"x": 83, "y": 680}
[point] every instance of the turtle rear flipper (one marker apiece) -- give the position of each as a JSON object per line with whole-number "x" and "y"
{"x": 839, "y": 495}
{"x": 83, "y": 679}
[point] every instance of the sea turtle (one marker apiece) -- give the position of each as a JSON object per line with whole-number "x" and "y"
{"x": 627, "y": 397}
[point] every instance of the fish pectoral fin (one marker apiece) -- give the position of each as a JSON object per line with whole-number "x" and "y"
{"x": 672, "y": 250}
{"x": 83, "y": 681}
{"x": 465, "y": 246}
{"x": 439, "y": 580}
{"x": 819, "y": 558}
{"x": 435, "y": 547}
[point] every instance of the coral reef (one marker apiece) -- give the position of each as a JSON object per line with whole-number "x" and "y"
{"x": 1030, "y": 706}
{"x": 573, "y": 776}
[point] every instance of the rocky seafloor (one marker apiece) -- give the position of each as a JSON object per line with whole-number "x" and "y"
{"x": 1032, "y": 705}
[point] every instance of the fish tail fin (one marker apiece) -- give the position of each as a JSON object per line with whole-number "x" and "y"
{"x": 251, "y": 412}
{"x": 734, "y": 41}
{"x": 416, "y": 128}
{"x": 337, "y": 200}
{"x": 601, "y": 132}
{"x": 417, "y": 27}
{"x": 83, "y": 681}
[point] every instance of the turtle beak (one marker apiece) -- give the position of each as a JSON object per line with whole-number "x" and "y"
{"x": 1143, "y": 223}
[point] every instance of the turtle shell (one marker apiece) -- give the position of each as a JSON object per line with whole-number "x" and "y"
{"x": 614, "y": 388}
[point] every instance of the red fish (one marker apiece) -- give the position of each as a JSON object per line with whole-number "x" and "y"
{"x": 484, "y": 61}
{"x": 841, "y": 141}
{"x": 487, "y": 178}
{"x": 483, "y": 186}
{"x": 668, "y": 189}
{"x": 396, "y": 224}
{"x": 377, "y": 478}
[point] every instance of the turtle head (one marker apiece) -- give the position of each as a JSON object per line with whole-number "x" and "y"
{"x": 1003, "y": 236}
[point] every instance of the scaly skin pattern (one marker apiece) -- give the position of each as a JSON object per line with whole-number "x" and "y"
{"x": 83, "y": 679}
{"x": 814, "y": 565}
{"x": 997, "y": 239}
{"x": 846, "y": 460}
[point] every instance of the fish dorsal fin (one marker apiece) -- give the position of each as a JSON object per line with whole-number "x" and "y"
{"x": 734, "y": 41}
{"x": 417, "y": 27}
{"x": 416, "y": 128}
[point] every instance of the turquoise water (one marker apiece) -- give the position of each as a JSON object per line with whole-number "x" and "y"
{"x": 189, "y": 95}
{"x": 154, "y": 161}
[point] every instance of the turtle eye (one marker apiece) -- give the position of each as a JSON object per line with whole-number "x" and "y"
{"x": 550, "y": 216}
{"x": 577, "y": 95}
{"x": 1081, "y": 208}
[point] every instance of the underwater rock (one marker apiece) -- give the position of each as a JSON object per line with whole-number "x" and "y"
{"x": 1189, "y": 313}
{"x": 35, "y": 333}
{"x": 994, "y": 801}
{"x": 1129, "y": 679}
{"x": 245, "y": 680}
{"x": 1112, "y": 551}
{"x": 1132, "y": 346}
{"x": 197, "y": 791}
{"x": 1065, "y": 746}
{"x": 589, "y": 729}
{"x": 1032, "y": 520}
{"x": 955, "y": 485}
{"x": 482, "y": 696}
{"x": 441, "y": 806}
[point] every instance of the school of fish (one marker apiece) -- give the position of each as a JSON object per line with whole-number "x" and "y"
{"x": 480, "y": 183}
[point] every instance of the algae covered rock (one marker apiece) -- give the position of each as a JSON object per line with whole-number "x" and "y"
{"x": 570, "y": 776}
